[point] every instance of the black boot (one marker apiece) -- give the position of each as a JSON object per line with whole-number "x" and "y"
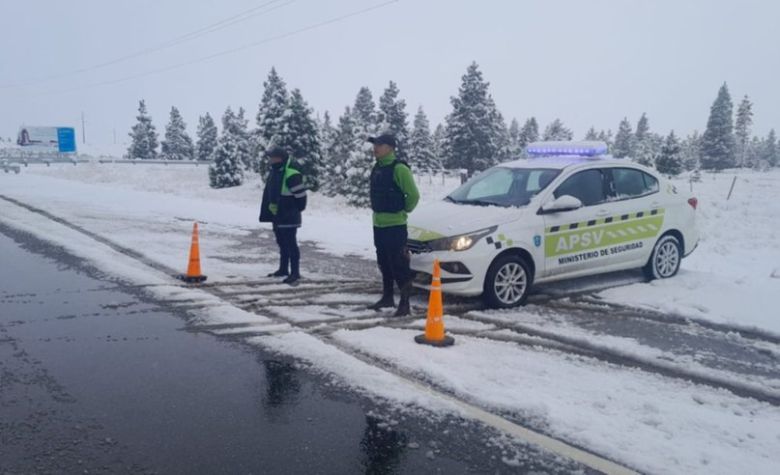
{"x": 385, "y": 302}
{"x": 403, "y": 306}
{"x": 279, "y": 273}
{"x": 292, "y": 279}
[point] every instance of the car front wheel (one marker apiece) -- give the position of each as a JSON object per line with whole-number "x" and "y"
{"x": 665, "y": 260}
{"x": 507, "y": 282}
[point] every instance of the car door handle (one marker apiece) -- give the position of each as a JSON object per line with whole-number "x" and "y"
{"x": 602, "y": 212}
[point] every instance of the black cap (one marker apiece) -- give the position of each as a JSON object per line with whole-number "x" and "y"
{"x": 277, "y": 152}
{"x": 384, "y": 139}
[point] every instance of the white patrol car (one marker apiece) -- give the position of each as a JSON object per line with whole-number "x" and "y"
{"x": 568, "y": 211}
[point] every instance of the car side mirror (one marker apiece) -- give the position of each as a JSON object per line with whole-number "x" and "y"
{"x": 562, "y": 203}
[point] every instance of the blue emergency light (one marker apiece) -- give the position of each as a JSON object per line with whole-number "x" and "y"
{"x": 567, "y": 149}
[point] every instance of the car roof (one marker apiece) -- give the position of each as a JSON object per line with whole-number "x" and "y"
{"x": 566, "y": 161}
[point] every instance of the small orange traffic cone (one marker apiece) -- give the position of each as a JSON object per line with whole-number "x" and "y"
{"x": 193, "y": 274}
{"x": 434, "y": 326}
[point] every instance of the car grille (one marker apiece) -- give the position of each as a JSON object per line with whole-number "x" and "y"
{"x": 418, "y": 247}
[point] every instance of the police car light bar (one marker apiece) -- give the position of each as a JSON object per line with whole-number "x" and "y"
{"x": 569, "y": 149}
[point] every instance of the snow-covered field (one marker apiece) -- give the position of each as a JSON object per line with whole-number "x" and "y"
{"x": 638, "y": 418}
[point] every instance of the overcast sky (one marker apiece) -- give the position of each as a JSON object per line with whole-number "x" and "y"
{"x": 589, "y": 62}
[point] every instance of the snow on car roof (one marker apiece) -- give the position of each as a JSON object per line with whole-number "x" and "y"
{"x": 561, "y": 162}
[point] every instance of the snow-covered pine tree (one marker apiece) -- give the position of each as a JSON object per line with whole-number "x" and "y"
{"x": 771, "y": 154}
{"x": 392, "y": 117}
{"x": 346, "y": 141}
{"x": 270, "y": 113}
{"x": 529, "y": 133}
{"x": 669, "y": 161}
{"x": 227, "y": 169}
{"x": 475, "y": 131}
{"x": 718, "y": 144}
{"x": 642, "y": 128}
{"x": 742, "y": 129}
{"x": 301, "y": 139}
{"x": 514, "y": 148}
{"x": 177, "y": 144}
{"x": 143, "y": 135}
{"x": 754, "y": 153}
{"x": 207, "y": 138}
{"x": 421, "y": 148}
{"x": 360, "y": 159}
{"x": 592, "y": 134}
{"x": 691, "y": 151}
{"x": 606, "y": 137}
{"x": 438, "y": 145}
{"x": 246, "y": 155}
{"x": 623, "y": 140}
{"x": 557, "y": 131}
{"x": 327, "y": 135}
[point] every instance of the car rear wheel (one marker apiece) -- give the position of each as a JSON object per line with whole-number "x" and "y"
{"x": 665, "y": 260}
{"x": 507, "y": 282}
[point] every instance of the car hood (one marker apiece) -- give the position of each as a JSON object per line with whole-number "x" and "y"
{"x": 445, "y": 219}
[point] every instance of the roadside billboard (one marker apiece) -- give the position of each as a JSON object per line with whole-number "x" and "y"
{"x": 61, "y": 139}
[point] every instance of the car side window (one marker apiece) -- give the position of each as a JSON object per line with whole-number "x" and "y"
{"x": 631, "y": 183}
{"x": 587, "y": 186}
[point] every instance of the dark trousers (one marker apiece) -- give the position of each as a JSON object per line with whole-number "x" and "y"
{"x": 289, "y": 254}
{"x": 392, "y": 257}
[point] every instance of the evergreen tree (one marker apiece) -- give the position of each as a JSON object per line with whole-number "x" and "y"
{"x": 557, "y": 131}
{"x": 245, "y": 153}
{"x": 328, "y": 139}
{"x": 770, "y": 149}
{"x": 227, "y": 169}
{"x": 691, "y": 151}
{"x": 439, "y": 137}
{"x": 475, "y": 132}
{"x": 669, "y": 161}
{"x": 269, "y": 119}
{"x": 421, "y": 147}
{"x": 642, "y": 128}
{"x": 207, "y": 137}
{"x": 365, "y": 109}
{"x": 718, "y": 144}
{"x": 742, "y": 128}
{"x": 301, "y": 139}
{"x": 592, "y": 134}
{"x": 392, "y": 118}
{"x": 623, "y": 140}
{"x": 606, "y": 137}
{"x": 360, "y": 157}
{"x": 515, "y": 150}
{"x": 754, "y": 153}
{"x": 177, "y": 144}
{"x": 143, "y": 135}
{"x": 529, "y": 133}
{"x": 345, "y": 143}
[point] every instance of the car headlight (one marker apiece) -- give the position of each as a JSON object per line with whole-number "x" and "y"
{"x": 461, "y": 242}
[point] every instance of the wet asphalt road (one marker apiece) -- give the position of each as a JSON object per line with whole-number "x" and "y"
{"x": 96, "y": 379}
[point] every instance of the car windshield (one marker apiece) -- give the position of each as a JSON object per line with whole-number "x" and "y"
{"x": 502, "y": 186}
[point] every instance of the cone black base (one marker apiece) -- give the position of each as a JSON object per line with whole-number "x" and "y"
{"x": 192, "y": 279}
{"x": 447, "y": 341}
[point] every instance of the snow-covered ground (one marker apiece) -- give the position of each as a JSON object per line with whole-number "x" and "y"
{"x": 639, "y": 418}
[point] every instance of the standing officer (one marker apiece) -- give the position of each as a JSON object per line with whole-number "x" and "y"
{"x": 393, "y": 195}
{"x": 284, "y": 198}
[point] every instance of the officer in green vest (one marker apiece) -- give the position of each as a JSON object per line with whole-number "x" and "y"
{"x": 393, "y": 195}
{"x": 284, "y": 198}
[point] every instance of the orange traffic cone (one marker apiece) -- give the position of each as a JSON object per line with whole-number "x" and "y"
{"x": 434, "y": 326}
{"x": 193, "y": 274}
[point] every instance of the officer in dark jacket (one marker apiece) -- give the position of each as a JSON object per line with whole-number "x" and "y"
{"x": 393, "y": 196}
{"x": 284, "y": 198}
